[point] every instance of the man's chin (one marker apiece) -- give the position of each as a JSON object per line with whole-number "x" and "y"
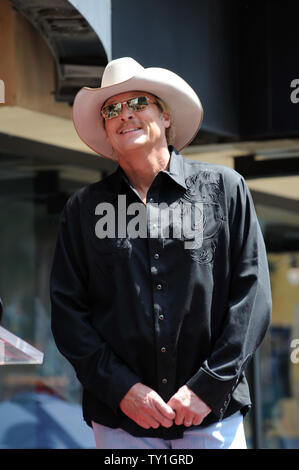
{"x": 133, "y": 144}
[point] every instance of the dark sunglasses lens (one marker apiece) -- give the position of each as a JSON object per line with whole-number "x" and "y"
{"x": 135, "y": 104}
{"x": 111, "y": 110}
{"x": 138, "y": 103}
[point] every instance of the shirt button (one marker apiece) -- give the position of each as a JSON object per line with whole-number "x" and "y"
{"x": 159, "y": 286}
{"x": 161, "y": 317}
{"x": 156, "y": 256}
{"x": 163, "y": 349}
{"x": 164, "y": 381}
{"x": 151, "y": 199}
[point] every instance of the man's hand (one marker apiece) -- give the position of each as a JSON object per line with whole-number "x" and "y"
{"x": 144, "y": 406}
{"x": 190, "y": 409}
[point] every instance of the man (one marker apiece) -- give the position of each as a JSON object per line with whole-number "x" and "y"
{"x": 159, "y": 312}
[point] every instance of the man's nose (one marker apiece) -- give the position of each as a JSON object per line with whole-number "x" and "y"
{"x": 126, "y": 113}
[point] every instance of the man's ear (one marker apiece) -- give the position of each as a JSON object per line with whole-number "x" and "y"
{"x": 166, "y": 119}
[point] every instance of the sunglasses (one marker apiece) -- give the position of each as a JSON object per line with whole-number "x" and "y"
{"x": 139, "y": 103}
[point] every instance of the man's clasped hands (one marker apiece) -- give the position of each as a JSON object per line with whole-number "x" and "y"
{"x": 145, "y": 406}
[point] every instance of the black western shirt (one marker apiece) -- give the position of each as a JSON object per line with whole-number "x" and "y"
{"x": 144, "y": 307}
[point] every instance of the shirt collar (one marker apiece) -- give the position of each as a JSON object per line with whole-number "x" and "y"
{"x": 176, "y": 167}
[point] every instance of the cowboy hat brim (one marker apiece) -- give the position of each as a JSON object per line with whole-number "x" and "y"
{"x": 184, "y": 105}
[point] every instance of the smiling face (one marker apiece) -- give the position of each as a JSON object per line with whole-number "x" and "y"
{"x": 133, "y": 130}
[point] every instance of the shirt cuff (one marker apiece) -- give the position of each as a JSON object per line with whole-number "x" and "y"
{"x": 215, "y": 391}
{"x": 121, "y": 390}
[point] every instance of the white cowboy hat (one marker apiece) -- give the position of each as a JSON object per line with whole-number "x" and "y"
{"x": 125, "y": 74}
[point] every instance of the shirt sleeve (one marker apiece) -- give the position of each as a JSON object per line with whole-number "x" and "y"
{"x": 249, "y": 307}
{"x": 97, "y": 367}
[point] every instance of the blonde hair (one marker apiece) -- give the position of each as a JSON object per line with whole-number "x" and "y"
{"x": 170, "y": 131}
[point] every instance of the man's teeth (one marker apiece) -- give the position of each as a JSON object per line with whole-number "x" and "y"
{"x": 129, "y": 130}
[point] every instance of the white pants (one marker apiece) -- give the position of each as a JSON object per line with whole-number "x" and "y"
{"x": 226, "y": 434}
